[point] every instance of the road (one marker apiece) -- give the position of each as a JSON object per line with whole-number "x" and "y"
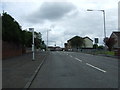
{"x": 77, "y": 70}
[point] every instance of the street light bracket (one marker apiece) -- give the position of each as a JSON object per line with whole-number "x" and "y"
{"x": 94, "y": 10}
{"x": 89, "y": 10}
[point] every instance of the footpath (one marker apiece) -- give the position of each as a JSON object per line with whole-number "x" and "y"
{"x": 17, "y": 71}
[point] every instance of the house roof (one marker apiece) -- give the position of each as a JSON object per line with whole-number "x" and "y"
{"x": 88, "y": 38}
{"x": 72, "y": 38}
{"x": 79, "y": 36}
{"x": 117, "y": 33}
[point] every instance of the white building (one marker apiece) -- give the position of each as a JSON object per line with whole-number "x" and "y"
{"x": 88, "y": 42}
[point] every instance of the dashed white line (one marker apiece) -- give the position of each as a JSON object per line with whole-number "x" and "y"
{"x": 71, "y": 56}
{"x": 96, "y": 68}
{"x": 90, "y": 65}
{"x": 78, "y": 59}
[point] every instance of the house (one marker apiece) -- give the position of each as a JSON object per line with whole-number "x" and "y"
{"x": 69, "y": 47}
{"x": 88, "y": 42}
{"x": 116, "y": 36}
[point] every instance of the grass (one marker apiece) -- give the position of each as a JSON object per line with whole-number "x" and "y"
{"x": 105, "y": 52}
{"x": 110, "y": 53}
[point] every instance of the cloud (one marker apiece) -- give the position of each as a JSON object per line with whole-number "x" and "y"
{"x": 87, "y": 24}
{"x": 51, "y": 11}
{"x": 67, "y": 19}
{"x": 71, "y": 20}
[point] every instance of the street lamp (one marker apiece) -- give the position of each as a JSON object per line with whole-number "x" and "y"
{"x": 103, "y": 19}
{"x": 47, "y": 38}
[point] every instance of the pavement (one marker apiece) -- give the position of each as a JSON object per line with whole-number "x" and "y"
{"x": 17, "y": 71}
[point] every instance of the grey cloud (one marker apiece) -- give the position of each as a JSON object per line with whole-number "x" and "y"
{"x": 82, "y": 25}
{"x": 51, "y": 11}
{"x": 74, "y": 22}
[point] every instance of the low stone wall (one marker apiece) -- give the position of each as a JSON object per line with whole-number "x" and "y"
{"x": 10, "y": 50}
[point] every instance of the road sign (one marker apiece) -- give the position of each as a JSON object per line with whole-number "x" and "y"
{"x": 31, "y": 29}
{"x": 96, "y": 40}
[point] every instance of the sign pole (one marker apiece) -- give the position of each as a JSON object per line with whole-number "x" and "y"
{"x": 33, "y": 46}
{"x": 33, "y": 50}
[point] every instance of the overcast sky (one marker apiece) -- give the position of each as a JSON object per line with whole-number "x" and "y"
{"x": 65, "y": 18}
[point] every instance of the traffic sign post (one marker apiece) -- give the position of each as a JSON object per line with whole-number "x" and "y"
{"x": 33, "y": 50}
{"x": 96, "y": 40}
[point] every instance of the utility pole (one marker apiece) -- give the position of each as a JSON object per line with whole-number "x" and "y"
{"x": 47, "y": 38}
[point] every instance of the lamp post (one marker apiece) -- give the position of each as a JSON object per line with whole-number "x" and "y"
{"x": 47, "y": 38}
{"x": 54, "y": 42}
{"x": 103, "y": 20}
{"x": 32, "y": 30}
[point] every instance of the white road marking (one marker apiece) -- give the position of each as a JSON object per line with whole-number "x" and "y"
{"x": 90, "y": 65}
{"x": 78, "y": 59}
{"x": 71, "y": 56}
{"x": 96, "y": 67}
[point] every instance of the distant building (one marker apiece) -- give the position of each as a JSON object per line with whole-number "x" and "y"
{"x": 88, "y": 42}
{"x": 54, "y": 48}
{"x": 51, "y": 48}
{"x": 116, "y": 36}
{"x": 69, "y": 47}
{"x": 57, "y": 48}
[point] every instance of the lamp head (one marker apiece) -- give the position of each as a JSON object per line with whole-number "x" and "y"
{"x": 89, "y": 10}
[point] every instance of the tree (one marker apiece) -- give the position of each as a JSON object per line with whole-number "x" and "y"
{"x": 43, "y": 46}
{"x": 66, "y": 46}
{"x": 95, "y": 46}
{"x": 11, "y": 30}
{"x": 110, "y": 42}
{"x": 77, "y": 42}
{"x": 27, "y": 38}
{"x": 38, "y": 40}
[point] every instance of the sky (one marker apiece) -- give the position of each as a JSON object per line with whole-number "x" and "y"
{"x": 64, "y": 19}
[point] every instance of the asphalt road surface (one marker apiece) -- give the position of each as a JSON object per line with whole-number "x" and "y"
{"x": 77, "y": 70}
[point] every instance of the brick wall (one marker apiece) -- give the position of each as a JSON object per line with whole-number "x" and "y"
{"x": 10, "y": 50}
